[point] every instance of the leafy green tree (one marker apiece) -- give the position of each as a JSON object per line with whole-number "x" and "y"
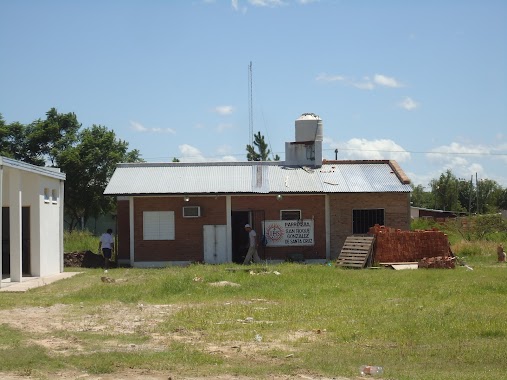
{"x": 466, "y": 195}
{"x": 45, "y": 139}
{"x": 88, "y": 158}
{"x": 486, "y": 196}
{"x": 445, "y": 192}
{"x": 89, "y": 165}
{"x": 12, "y": 140}
{"x": 263, "y": 151}
{"x": 421, "y": 198}
{"x": 501, "y": 199}
{"x": 175, "y": 160}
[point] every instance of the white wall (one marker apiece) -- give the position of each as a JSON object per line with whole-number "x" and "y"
{"x": 49, "y": 220}
{"x": 46, "y": 250}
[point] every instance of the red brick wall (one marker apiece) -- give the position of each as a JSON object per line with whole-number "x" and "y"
{"x": 188, "y": 244}
{"x": 311, "y": 206}
{"x": 394, "y": 245}
{"x": 396, "y": 206}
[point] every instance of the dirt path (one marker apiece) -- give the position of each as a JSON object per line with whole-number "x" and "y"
{"x": 43, "y": 324}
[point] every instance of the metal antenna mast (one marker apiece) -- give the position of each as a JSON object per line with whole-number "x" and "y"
{"x": 250, "y": 110}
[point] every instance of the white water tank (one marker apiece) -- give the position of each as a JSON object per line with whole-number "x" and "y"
{"x": 309, "y": 128}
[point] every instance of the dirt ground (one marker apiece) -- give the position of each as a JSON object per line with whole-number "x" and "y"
{"x": 43, "y": 323}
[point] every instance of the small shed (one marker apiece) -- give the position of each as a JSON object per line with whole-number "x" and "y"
{"x": 31, "y": 226}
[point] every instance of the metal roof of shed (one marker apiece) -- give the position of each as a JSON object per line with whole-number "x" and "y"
{"x": 256, "y": 177}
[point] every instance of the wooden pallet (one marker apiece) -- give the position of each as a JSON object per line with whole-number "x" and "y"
{"x": 356, "y": 251}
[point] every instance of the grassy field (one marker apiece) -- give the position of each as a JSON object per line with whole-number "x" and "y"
{"x": 283, "y": 319}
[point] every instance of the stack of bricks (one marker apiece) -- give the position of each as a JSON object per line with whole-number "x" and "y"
{"x": 437, "y": 262}
{"x": 395, "y": 246}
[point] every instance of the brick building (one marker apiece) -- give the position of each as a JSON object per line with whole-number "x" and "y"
{"x": 304, "y": 207}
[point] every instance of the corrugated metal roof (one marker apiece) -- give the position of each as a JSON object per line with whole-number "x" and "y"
{"x": 253, "y": 177}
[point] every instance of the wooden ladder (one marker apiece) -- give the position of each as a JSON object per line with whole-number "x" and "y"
{"x": 356, "y": 251}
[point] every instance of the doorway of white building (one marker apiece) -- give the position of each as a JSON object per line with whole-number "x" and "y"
{"x": 25, "y": 237}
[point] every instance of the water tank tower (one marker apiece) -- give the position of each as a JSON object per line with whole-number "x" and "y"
{"x": 308, "y": 128}
{"x": 307, "y": 149}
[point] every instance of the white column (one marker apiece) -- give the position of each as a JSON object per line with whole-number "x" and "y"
{"x": 15, "y": 217}
{"x": 62, "y": 229}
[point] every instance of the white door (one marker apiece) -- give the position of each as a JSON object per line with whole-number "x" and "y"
{"x": 215, "y": 244}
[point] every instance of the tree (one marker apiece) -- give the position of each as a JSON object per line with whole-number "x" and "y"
{"x": 175, "y": 160}
{"x": 445, "y": 192}
{"x": 486, "y": 196}
{"x": 89, "y": 165}
{"x": 45, "y": 139}
{"x": 421, "y": 198}
{"x": 263, "y": 150}
{"x": 12, "y": 140}
{"x": 87, "y": 157}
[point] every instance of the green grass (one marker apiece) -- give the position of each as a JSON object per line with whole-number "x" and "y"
{"x": 322, "y": 320}
{"x": 316, "y": 319}
{"x": 77, "y": 241}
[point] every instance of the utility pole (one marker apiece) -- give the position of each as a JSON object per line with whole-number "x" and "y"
{"x": 477, "y": 192}
{"x": 250, "y": 108}
{"x": 470, "y": 195}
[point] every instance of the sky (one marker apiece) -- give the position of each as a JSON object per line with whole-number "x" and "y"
{"x": 420, "y": 82}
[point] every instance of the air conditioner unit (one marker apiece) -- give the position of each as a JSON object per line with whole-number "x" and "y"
{"x": 191, "y": 211}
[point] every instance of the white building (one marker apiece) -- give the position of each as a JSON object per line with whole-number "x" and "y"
{"x": 31, "y": 226}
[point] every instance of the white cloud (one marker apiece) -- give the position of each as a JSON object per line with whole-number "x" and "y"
{"x": 462, "y": 160}
{"x": 229, "y": 159}
{"x": 224, "y": 110}
{"x": 237, "y": 7}
{"x": 382, "y": 80}
{"x": 382, "y": 149}
{"x": 190, "y": 154}
{"x": 409, "y": 104}
{"x": 364, "y": 85}
{"x": 304, "y": 2}
{"x": 138, "y": 127}
{"x": 450, "y": 152}
{"x": 363, "y": 149}
{"x": 323, "y": 77}
{"x": 266, "y": 3}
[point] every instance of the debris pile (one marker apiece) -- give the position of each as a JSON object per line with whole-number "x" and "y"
{"x": 442, "y": 262}
{"x": 83, "y": 259}
{"x": 395, "y": 245}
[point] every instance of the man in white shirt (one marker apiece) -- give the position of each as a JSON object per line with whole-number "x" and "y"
{"x": 252, "y": 248}
{"x": 106, "y": 244}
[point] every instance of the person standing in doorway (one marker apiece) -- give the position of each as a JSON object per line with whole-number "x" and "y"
{"x": 252, "y": 247}
{"x": 106, "y": 244}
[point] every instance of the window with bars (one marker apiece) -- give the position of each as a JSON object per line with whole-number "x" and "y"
{"x": 290, "y": 214}
{"x": 362, "y": 220}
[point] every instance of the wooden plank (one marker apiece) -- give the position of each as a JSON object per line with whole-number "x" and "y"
{"x": 355, "y": 251}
